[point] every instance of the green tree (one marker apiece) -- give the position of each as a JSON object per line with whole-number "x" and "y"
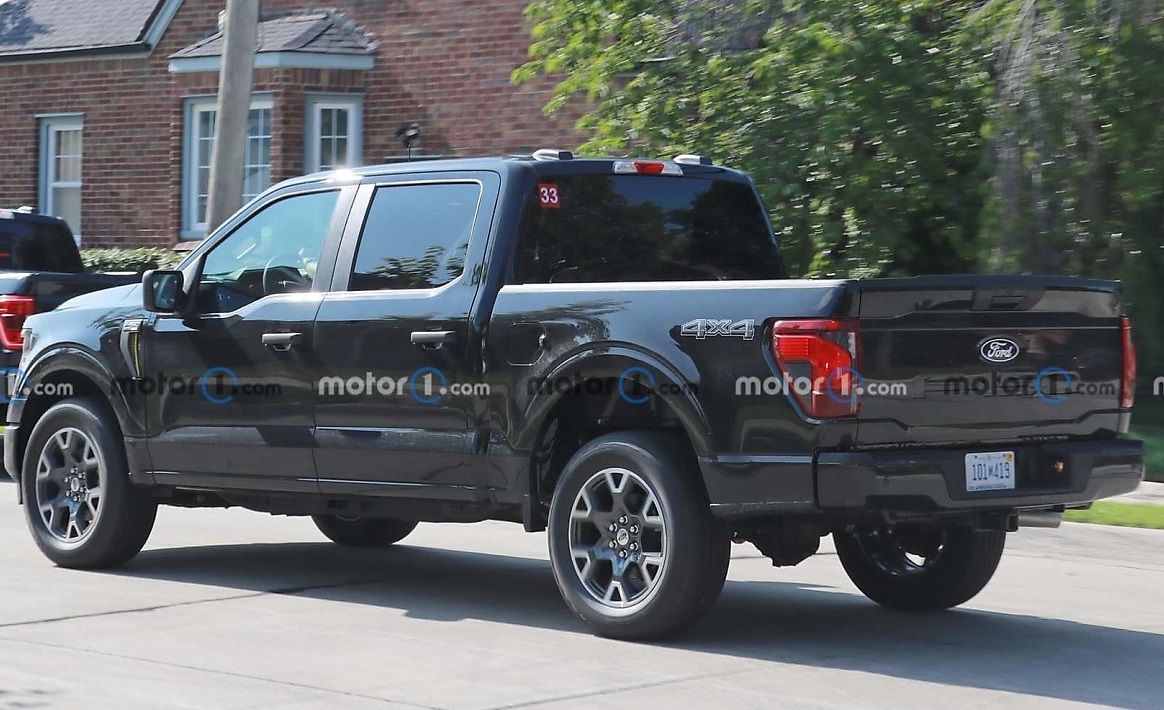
{"x": 860, "y": 122}
{"x": 897, "y": 138}
{"x": 1077, "y": 146}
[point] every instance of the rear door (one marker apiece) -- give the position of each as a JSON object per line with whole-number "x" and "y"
{"x": 980, "y": 358}
{"x": 399, "y": 358}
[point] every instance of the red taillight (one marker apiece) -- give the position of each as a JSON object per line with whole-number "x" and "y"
{"x": 13, "y": 311}
{"x": 820, "y": 358}
{"x": 1128, "y": 378}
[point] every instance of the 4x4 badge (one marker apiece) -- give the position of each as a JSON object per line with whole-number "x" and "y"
{"x": 702, "y": 328}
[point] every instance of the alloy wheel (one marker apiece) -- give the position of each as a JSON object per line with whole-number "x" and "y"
{"x": 69, "y": 477}
{"x": 618, "y": 538}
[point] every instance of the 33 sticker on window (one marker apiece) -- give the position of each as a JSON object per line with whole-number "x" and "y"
{"x": 548, "y": 196}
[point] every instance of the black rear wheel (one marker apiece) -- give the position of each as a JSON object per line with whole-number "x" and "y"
{"x": 363, "y": 532}
{"x": 920, "y": 568}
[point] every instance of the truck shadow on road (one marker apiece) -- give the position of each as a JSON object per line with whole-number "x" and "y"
{"x": 774, "y": 621}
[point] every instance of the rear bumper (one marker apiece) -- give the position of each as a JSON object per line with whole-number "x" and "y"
{"x": 935, "y": 480}
{"x": 919, "y": 481}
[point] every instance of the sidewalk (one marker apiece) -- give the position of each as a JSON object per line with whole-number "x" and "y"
{"x": 1151, "y": 493}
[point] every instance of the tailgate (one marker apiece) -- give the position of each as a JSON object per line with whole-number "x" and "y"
{"x": 977, "y": 358}
{"x": 50, "y": 289}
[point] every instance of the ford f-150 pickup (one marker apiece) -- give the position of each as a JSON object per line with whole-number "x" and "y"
{"x": 608, "y": 350}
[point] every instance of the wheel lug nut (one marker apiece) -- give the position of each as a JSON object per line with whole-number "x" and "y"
{"x": 612, "y": 527}
{"x": 634, "y": 545}
{"x": 622, "y": 520}
{"x": 622, "y": 554}
{"x": 635, "y": 529}
{"x": 612, "y": 544}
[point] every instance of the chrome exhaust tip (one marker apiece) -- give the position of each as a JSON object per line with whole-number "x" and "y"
{"x": 1039, "y": 519}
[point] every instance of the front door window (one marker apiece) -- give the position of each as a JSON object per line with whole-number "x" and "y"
{"x": 275, "y": 251}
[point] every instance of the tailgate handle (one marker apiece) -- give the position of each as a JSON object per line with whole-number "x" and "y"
{"x": 1009, "y": 303}
{"x": 1005, "y": 299}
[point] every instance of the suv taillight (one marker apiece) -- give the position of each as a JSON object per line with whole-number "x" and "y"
{"x": 1128, "y": 376}
{"x": 13, "y": 311}
{"x": 827, "y": 353}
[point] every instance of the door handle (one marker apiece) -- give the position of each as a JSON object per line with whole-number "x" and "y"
{"x": 281, "y": 342}
{"x": 433, "y": 339}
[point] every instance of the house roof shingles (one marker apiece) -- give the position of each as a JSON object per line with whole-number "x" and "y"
{"x": 321, "y": 31}
{"x": 44, "y": 26}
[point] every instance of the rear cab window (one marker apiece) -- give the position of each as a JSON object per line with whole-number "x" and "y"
{"x": 30, "y": 245}
{"x": 595, "y": 228}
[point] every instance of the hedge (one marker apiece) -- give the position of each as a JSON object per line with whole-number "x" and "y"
{"x": 134, "y": 260}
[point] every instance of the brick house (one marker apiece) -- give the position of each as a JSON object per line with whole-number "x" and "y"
{"x": 108, "y": 111}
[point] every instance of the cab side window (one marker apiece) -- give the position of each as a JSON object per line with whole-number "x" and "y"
{"x": 415, "y": 236}
{"x": 275, "y": 251}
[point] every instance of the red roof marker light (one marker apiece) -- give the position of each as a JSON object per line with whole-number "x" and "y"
{"x": 646, "y": 167}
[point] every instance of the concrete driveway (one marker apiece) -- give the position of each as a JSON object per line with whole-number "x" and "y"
{"x": 231, "y": 609}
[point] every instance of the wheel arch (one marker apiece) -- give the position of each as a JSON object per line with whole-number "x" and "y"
{"x": 589, "y": 395}
{"x": 67, "y": 372}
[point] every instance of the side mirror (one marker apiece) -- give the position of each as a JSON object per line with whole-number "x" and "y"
{"x": 161, "y": 291}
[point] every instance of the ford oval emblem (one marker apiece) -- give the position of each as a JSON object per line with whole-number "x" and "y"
{"x": 998, "y": 350}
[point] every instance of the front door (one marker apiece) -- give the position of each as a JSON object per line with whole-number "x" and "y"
{"x": 400, "y": 376}
{"x": 228, "y": 381}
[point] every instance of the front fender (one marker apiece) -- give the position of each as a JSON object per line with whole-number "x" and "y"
{"x": 32, "y": 385}
{"x": 80, "y": 361}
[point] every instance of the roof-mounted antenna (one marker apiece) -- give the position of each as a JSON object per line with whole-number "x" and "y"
{"x": 408, "y": 134}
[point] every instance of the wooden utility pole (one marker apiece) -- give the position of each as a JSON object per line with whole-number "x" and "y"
{"x": 227, "y": 160}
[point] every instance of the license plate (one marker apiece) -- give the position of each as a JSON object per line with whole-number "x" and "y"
{"x": 993, "y": 471}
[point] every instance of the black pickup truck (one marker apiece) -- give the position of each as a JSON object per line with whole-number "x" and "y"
{"x": 40, "y": 268}
{"x": 609, "y": 350}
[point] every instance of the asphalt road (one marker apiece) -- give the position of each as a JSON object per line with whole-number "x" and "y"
{"x": 231, "y": 609}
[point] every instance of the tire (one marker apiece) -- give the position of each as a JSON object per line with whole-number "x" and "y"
{"x": 82, "y": 509}
{"x": 647, "y": 487}
{"x": 957, "y": 563}
{"x": 363, "y": 532}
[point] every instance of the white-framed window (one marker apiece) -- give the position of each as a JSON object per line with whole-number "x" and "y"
{"x": 60, "y": 168}
{"x": 334, "y": 132}
{"x": 200, "y": 115}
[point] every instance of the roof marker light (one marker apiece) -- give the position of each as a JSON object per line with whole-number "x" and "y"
{"x": 646, "y": 167}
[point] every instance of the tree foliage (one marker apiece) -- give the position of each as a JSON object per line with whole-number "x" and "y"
{"x": 894, "y": 138}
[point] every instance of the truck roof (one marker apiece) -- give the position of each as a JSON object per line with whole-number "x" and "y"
{"x": 26, "y": 214}
{"x": 543, "y": 161}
